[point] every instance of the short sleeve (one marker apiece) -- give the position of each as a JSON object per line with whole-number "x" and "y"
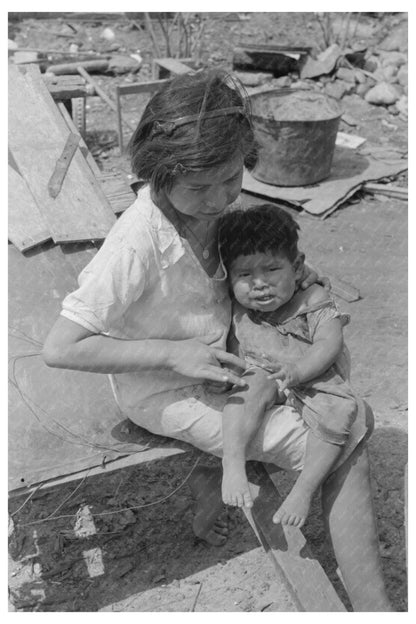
{"x": 107, "y": 286}
{"x": 327, "y": 311}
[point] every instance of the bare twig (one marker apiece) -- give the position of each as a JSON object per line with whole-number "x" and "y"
{"x": 354, "y": 32}
{"x": 322, "y": 23}
{"x": 346, "y": 29}
{"x": 150, "y": 30}
{"x": 196, "y": 597}
{"x": 166, "y": 36}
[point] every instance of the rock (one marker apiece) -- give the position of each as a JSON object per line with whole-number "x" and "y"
{"x": 360, "y": 77}
{"x": 302, "y": 84}
{"x": 396, "y": 40}
{"x": 339, "y": 88}
{"x": 393, "y": 58}
{"x": 393, "y": 110}
{"x": 362, "y": 89}
{"x": 324, "y": 64}
{"x": 108, "y": 34}
{"x": 253, "y": 79}
{"x": 12, "y": 45}
{"x": 402, "y": 76}
{"x": 390, "y": 73}
{"x": 371, "y": 64}
{"x": 346, "y": 74}
{"x": 402, "y": 106}
{"x": 379, "y": 74}
{"x": 123, "y": 64}
{"x": 383, "y": 94}
{"x": 283, "y": 81}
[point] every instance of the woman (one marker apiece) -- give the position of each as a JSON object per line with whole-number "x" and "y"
{"x": 153, "y": 311}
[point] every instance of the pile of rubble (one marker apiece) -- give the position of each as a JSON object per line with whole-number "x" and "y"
{"x": 376, "y": 72}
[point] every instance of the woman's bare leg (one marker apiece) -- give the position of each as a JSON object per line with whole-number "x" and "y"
{"x": 350, "y": 517}
{"x": 210, "y": 522}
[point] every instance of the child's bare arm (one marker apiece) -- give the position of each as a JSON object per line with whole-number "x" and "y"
{"x": 327, "y": 345}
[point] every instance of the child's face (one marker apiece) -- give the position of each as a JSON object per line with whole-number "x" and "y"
{"x": 265, "y": 281}
{"x": 205, "y": 195}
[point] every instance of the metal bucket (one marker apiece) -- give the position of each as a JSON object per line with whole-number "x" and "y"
{"x": 292, "y": 153}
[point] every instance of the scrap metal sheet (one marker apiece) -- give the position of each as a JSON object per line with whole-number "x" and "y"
{"x": 350, "y": 170}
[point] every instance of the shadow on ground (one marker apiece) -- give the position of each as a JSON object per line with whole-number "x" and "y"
{"x": 98, "y": 551}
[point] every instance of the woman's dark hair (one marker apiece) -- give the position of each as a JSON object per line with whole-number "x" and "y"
{"x": 157, "y": 146}
{"x": 259, "y": 229}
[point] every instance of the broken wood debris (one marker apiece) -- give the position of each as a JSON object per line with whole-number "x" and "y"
{"x": 278, "y": 60}
{"x": 286, "y": 546}
{"x": 98, "y": 66}
{"x": 383, "y": 189}
{"x": 37, "y": 136}
{"x": 62, "y": 165}
{"x": 101, "y": 93}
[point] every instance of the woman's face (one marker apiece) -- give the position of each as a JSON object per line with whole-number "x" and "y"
{"x": 204, "y": 195}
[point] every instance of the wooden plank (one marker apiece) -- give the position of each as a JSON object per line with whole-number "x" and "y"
{"x": 81, "y": 211}
{"x": 62, "y": 165}
{"x": 170, "y": 65}
{"x": 118, "y": 192}
{"x": 384, "y": 189}
{"x": 343, "y": 290}
{"x": 26, "y": 227}
{"x": 142, "y": 87}
{"x": 67, "y": 119}
{"x": 156, "y": 453}
{"x": 286, "y": 546}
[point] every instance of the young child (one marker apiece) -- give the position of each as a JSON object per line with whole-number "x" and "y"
{"x": 295, "y": 335}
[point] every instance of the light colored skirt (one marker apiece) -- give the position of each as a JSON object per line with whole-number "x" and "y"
{"x": 194, "y": 414}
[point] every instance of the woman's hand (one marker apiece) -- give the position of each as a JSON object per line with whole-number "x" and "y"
{"x": 309, "y": 277}
{"x": 198, "y": 358}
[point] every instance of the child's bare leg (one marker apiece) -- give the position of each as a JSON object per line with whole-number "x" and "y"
{"x": 320, "y": 456}
{"x": 241, "y": 418}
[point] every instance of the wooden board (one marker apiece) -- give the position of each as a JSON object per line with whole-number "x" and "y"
{"x": 295, "y": 565}
{"x": 26, "y": 227}
{"x": 79, "y": 212}
{"x": 166, "y": 66}
{"x": 68, "y": 121}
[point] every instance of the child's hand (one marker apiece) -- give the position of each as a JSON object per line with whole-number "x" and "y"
{"x": 309, "y": 277}
{"x": 287, "y": 374}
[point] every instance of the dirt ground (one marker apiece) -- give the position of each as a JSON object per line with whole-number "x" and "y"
{"x": 147, "y": 559}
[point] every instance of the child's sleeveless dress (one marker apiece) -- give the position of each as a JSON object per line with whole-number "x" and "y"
{"x": 327, "y": 403}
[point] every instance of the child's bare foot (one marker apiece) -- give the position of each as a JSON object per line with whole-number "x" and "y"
{"x": 295, "y": 508}
{"x": 235, "y": 488}
{"x": 210, "y": 520}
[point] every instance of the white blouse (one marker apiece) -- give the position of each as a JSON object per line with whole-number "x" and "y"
{"x": 146, "y": 282}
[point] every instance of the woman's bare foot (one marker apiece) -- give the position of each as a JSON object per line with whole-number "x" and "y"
{"x": 295, "y": 508}
{"x": 235, "y": 488}
{"x": 210, "y": 519}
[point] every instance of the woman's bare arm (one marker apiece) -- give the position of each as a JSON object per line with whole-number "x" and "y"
{"x": 70, "y": 345}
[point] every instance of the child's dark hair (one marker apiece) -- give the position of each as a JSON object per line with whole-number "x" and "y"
{"x": 161, "y": 148}
{"x": 259, "y": 229}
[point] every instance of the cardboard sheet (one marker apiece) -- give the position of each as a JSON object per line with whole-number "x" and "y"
{"x": 350, "y": 170}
